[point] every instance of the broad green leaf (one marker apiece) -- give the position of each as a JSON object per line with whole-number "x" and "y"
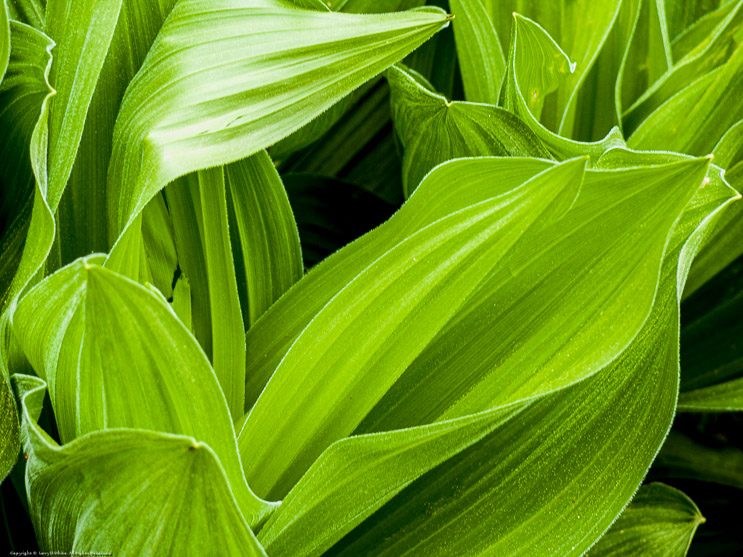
{"x": 82, "y": 31}
{"x": 434, "y": 130}
{"x": 660, "y": 521}
{"x": 701, "y": 60}
{"x": 329, "y": 375}
{"x": 271, "y": 337}
{"x": 31, "y": 12}
{"x": 683, "y": 457}
{"x": 480, "y": 54}
{"x": 694, "y": 120}
{"x": 536, "y": 68}
{"x": 490, "y": 354}
{"x": 115, "y": 355}
{"x": 128, "y": 491}
{"x": 230, "y": 105}
{"x": 9, "y": 432}
{"x": 379, "y": 466}
{"x": 331, "y": 213}
{"x": 228, "y": 331}
{"x": 82, "y": 212}
{"x": 565, "y": 453}
{"x": 181, "y": 303}
{"x": 374, "y": 6}
{"x": 267, "y": 231}
{"x": 461, "y": 349}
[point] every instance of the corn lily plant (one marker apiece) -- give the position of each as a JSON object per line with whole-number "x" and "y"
{"x": 371, "y": 277}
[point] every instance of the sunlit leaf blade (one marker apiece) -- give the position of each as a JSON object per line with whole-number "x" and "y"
{"x": 82, "y": 212}
{"x": 228, "y": 331}
{"x": 560, "y": 449}
{"x": 537, "y": 67}
{"x": 332, "y": 377}
{"x": 159, "y": 244}
{"x": 128, "y": 491}
{"x": 534, "y": 326}
{"x": 660, "y": 521}
{"x": 82, "y": 31}
{"x": 694, "y": 120}
{"x": 198, "y": 103}
{"x": 9, "y": 432}
{"x": 705, "y": 57}
{"x": 433, "y": 130}
{"x": 115, "y": 355}
{"x": 375, "y": 6}
{"x": 379, "y": 466}
{"x": 268, "y": 233}
{"x": 699, "y": 31}
{"x": 270, "y": 339}
{"x": 331, "y": 213}
{"x": 479, "y": 50}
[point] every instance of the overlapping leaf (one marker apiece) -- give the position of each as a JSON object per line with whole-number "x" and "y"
{"x": 114, "y": 355}
{"x": 195, "y": 104}
{"x": 660, "y": 521}
{"x": 96, "y": 493}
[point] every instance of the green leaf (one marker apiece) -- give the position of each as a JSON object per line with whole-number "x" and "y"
{"x": 228, "y": 331}
{"x": 536, "y": 68}
{"x": 128, "y": 491}
{"x": 701, "y": 60}
{"x": 270, "y": 339}
{"x": 170, "y": 125}
{"x": 434, "y": 130}
{"x": 724, "y": 397}
{"x": 479, "y": 51}
{"x": 660, "y": 521}
{"x": 426, "y": 277}
{"x": 576, "y": 455}
{"x": 82, "y": 31}
{"x": 267, "y": 231}
{"x": 159, "y": 244}
{"x": 115, "y": 355}
{"x": 694, "y": 120}
{"x": 82, "y": 213}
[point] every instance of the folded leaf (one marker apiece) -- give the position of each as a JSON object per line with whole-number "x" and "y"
{"x": 82, "y": 31}
{"x": 128, "y": 491}
{"x": 537, "y": 67}
{"x": 434, "y": 130}
{"x": 242, "y": 86}
{"x": 660, "y": 521}
{"x": 31, "y": 12}
{"x": 4, "y": 39}
{"x": 115, "y": 355}
{"x": 328, "y": 380}
{"x": 267, "y": 231}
